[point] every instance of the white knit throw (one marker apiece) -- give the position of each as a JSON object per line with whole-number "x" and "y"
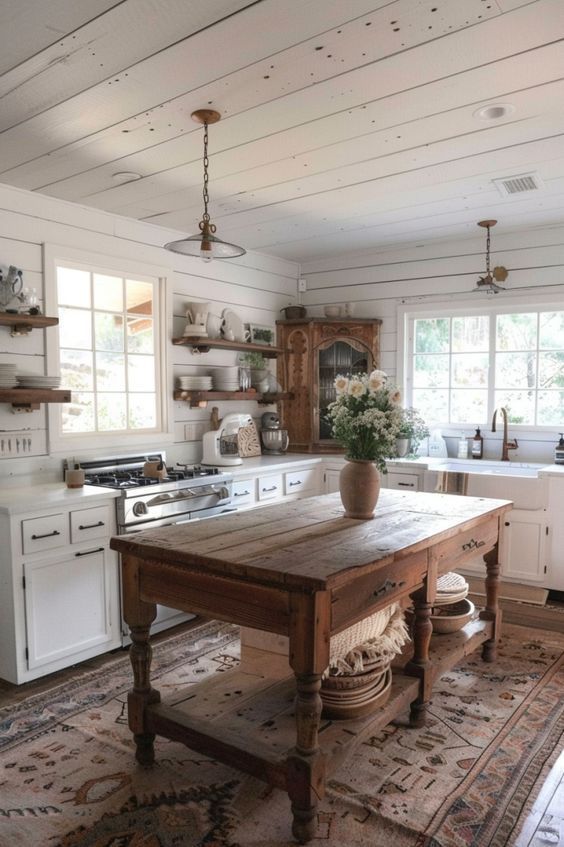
{"x": 380, "y": 636}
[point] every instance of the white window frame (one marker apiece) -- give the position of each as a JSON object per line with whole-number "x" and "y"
{"x": 496, "y": 304}
{"x": 130, "y": 440}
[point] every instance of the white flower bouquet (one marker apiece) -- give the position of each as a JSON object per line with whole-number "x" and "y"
{"x": 366, "y": 417}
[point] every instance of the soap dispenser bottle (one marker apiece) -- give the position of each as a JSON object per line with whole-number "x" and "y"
{"x": 478, "y": 445}
{"x": 559, "y": 451}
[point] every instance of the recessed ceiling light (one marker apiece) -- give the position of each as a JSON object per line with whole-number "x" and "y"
{"x": 125, "y": 176}
{"x": 494, "y": 112}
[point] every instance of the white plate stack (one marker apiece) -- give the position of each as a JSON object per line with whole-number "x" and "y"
{"x": 226, "y": 379}
{"x": 195, "y": 383}
{"x": 7, "y": 376}
{"x": 34, "y": 381}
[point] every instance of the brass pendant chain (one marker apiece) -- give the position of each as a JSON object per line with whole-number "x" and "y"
{"x": 488, "y": 253}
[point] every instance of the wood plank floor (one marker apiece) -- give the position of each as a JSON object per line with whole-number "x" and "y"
{"x": 545, "y": 823}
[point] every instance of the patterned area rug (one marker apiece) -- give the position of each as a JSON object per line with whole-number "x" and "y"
{"x": 68, "y": 777}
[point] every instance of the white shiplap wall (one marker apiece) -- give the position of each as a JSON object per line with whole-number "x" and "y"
{"x": 255, "y": 287}
{"x": 380, "y": 283}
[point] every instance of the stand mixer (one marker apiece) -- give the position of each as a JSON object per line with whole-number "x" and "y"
{"x": 220, "y": 445}
{"x": 274, "y": 440}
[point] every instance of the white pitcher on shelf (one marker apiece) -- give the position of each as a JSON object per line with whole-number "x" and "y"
{"x": 197, "y": 314}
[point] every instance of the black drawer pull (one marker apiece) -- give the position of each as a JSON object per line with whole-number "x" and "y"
{"x": 387, "y": 587}
{"x": 90, "y": 552}
{"x": 407, "y": 484}
{"x": 241, "y": 493}
{"x": 47, "y": 535}
{"x": 91, "y": 525}
{"x": 473, "y": 544}
{"x": 299, "y": 482}
{"x": 272, "y": 488}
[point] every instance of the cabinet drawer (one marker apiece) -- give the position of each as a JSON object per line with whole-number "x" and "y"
{"x": 296, "y": 481}
{"x": 466, "y": 545}
{"x": 243, "y": 492}
{"x": 44, "y": 533}
{"x": 370, "y": 592}
{"x": 406, "y": 481}
{"x": 270, "y": 487}
{"x": 89, "y": 523}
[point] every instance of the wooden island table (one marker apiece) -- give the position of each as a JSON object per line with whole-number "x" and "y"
{"x": 302, "y": 570}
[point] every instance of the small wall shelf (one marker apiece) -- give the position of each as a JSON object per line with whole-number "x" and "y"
{"x": 23, "y": 324}
{"x": 201, "y": 398}
{"x": 203, "y": 345}
{"x": 31, "y": 398}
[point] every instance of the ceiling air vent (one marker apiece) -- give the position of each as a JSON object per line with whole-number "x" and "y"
{"x": 508, "y": 186}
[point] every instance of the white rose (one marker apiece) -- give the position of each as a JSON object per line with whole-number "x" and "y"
{"x": 341, "y": 384}
{"x": 377, "y": 379}
{"x": 356, "y": 388}
{"x": 395, "y": 397}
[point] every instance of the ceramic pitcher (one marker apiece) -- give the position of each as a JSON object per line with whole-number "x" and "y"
{"x": 10, "y": 286}
{"x": 197, "y": 313}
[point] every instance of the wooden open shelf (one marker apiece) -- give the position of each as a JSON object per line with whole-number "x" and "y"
{"x": 198, "y": 398}
{"x": 31, "y": 398}
{"x": 248, "y": 714}
{"x": 23, "y": 324}
{"x": 203, "y": 345}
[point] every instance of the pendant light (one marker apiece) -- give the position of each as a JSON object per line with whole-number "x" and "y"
{"x": 206, "y": 245}
{"x": 489, "y": 282}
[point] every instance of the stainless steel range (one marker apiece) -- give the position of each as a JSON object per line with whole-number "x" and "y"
{"x": 185, "y": 493}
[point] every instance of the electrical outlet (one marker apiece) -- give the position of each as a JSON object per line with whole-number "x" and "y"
{"x": 302, "y": 285}
{"x": 195, "y": 431}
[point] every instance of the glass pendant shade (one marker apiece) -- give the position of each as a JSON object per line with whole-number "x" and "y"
{"x": 205, "y": 244}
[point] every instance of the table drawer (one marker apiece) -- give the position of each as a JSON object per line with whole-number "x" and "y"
{"x": 361, "y": 598}
{"x": 90, "y": 523}
{"x": 270, "y": 487}
{"x": 405, "y": 481}
{"x": 44, "y": 533}
{"x": 466, "y": 545}
{"x": 297, "y": 481}
{"x": 243, "y": 492}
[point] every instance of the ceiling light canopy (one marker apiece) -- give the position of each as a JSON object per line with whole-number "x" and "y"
{"x": 205, "y": 244}
{"x": 489, "y": 282}
{"x": 494, "y": 111}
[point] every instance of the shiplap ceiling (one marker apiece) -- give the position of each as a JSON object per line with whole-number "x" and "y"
{"x": 346, "y": 124}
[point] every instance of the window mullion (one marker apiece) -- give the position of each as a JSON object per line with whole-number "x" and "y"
{"x": 492, "y": 353}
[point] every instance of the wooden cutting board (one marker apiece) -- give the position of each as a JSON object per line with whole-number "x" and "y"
{"x": 248, "y": 441}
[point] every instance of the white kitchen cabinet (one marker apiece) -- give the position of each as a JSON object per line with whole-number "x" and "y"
{"x": 555, "y": 540}
{"x": 58, "y": 605}
{"x": 302, "y": 483}
{"x": 270, "y": 487}
{"x": 244, "y": 493}
{"x": 67, "y": 605}
{"x": 402, "y": 481}
{"x": 524, "y": 546}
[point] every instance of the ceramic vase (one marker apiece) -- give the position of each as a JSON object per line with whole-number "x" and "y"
{"x": 402, "y": 447}
{"x": 359, "y": 486}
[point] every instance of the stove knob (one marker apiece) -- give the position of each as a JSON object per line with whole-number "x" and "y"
{"x": 140, "y": 508}
{"x": 224, "y": 492}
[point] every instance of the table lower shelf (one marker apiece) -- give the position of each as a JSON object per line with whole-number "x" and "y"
{"x": 246, "y": 718}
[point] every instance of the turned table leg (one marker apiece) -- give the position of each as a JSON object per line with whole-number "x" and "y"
{"x": 139, "y": 616}
{"x": 309, "y": 656}
{"x": 419, "y": 663}
{"x": 492, "y": 612}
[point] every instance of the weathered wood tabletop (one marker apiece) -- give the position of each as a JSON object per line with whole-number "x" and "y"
{"x": 303, "y": 570}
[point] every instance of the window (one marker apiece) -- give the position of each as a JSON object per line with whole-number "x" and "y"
{"x": 462, "y": 366}
{"x": 108, "y": 351}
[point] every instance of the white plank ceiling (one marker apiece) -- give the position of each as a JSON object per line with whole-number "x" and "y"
{"x": 346, "y": 124}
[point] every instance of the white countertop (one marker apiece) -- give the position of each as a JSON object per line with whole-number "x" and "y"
{"x": 28, "y": 498}
{"x": 274, "y": 463}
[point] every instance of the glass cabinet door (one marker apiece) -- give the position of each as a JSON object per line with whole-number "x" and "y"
{"x": 337, "y": 358}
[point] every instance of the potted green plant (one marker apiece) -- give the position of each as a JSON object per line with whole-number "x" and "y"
{"x": 257, "y": 365}
{"x": 413, "y": 430}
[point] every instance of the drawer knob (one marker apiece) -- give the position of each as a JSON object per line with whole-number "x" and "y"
{"x": 298, "y": 482}
{"x": 388, "y": 586}
{"x": 241, "y": 493}
{"x": 407, "y": 484}
{"x": 46, "y": 535}
{"x": 272, "y": 488}
{"x": 473, "y": 544}
{"x": 91, "y": 525}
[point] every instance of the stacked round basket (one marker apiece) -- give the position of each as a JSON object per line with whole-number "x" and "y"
{"x": 359, "y": 678}
{"x": 451, "y": 609}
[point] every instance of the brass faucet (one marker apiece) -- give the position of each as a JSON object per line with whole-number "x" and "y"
{"x": 506, "y": 444}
